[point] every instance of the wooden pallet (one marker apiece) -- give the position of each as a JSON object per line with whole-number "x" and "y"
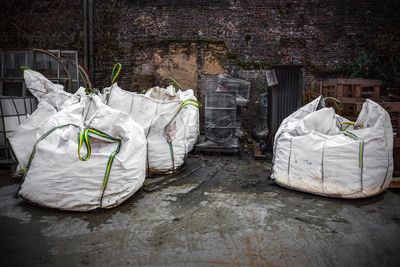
{"x": 216, "y": 149}
{"x": 351, "y": 88}
{"x": 258, "y": 155}
{"x": 395, "y": 184}
{"x": 351, "y": 92}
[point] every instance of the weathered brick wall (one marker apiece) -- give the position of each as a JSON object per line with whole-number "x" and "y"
{"x": 187, "y": 38}
{"x": 248, "y": 33}
{"x": 41, "y": 24}
{"x": 322, "y": 35}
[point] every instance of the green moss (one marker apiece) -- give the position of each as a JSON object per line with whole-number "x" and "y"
{"x": 282, "y": 12}
{"x": 292, "y": 42}
{"x": 343, "y": 70}
{"x": 231, "y": 56}
{"x": 247, "y": 39}
{"x": 256, "y": 64}
{"x": 167, "y": 41}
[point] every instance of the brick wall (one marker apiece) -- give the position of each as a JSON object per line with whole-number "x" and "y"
{"x": 187, "y": 38}
{"x": 247, "y": 34}
{"x": 323, "y": 35}
{"x": 41, "y": 24}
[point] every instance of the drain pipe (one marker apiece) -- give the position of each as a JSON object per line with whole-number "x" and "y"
{"x": 88, "y": 37}
{"x": 85, "y": 35}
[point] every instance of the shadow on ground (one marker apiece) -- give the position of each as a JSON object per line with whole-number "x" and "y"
{"x": 217, "y": 211}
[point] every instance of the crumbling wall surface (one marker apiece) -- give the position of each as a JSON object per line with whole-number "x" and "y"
{"x": 325, "y": 36}
{"x": 186, "y": 38}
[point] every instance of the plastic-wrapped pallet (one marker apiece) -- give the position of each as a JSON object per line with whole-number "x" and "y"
{"x": 170, "y": 120}
{"x": 100, "y": 169}
{"x": 239, "y": 86}
{"x": 51, "y": 98}
{"x": 320, "y": 152}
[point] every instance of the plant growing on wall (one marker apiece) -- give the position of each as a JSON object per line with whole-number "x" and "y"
{"x": 48, "y": 31}
{"x": 380, "y": 58}
{"x": 107, "y": 18}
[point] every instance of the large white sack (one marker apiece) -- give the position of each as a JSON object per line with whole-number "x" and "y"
{"x": 57, "y": 177}
{"x": 51, "y": 99}
{"x": 167, "y": 146}
{"x": 45, "y": 90}
{"x": 317, "y": 151}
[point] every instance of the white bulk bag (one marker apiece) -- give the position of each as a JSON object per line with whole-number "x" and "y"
{"x": 100, "y": 169}
{"x": 319, "y": 152}
{"x": 51, "y": 99}
{"x": 170, "y": 121}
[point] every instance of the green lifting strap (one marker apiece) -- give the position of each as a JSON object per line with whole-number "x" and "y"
{"x": 347, "y": 124}
{"x": 115, "y": 72}
{"x": 84, "y": 139}
{"x": 188, "y": 102}
{"x": 338, "y": 104}
{"x": 171, "y": 153}
{"x": 33, "y": 153}
{"x": 360, "y": 148}
{"x": 175, "y": 82}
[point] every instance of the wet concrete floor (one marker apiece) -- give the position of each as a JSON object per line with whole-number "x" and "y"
{"x": 219, "y": 211}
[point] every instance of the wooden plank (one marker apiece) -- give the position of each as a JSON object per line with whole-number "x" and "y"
{"x": 339, "y": 90}
{"x": 314, "y": 95}
{"x": 377, "y": 91}
{"x": 371, "y": 83}
{"x": 396, "y": 142}
{"x": 325, "y": 91}
{"x": 398, "y": 124}
{"x": 345, "y": 90}
{"x": 351, "y": 100}
{"x": 320, "y": 88}
{"x": 350, "y": 110}
{"x": 395, "y": 183}
{"x": 359, "y": 106}
{"x": 329, "y": 82}
{"x": 357, "y": 91}
{"x": 354, "y": 81}
{"x": 391, "y": 106}
{"x": 328, "y": 91}
{"x": 258, "y": 155}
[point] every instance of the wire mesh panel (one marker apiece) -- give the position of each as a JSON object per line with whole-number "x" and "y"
{"x": 13, "y": 111}
{"x": 220, "y": 111}
{"x": 220, "y": 117}
{"x": 12, "y": 77}
{"x": 241, "y": 87}
{"x": 261, "y": 128}
{"x": 70, "y": 60}
{"x": 16, "y": 101}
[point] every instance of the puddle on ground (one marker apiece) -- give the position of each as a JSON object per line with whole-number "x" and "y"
{"x": 9, "y": 204}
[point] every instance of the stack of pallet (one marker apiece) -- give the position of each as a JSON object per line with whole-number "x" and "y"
{"x": 353, "y": 93}
{"x": 394, "y": 110}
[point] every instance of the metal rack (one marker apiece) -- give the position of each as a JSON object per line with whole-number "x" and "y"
{"x": 16, "y": 102}
{"x": 221, "y": 105}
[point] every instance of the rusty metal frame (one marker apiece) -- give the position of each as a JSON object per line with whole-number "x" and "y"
{"x": 82, "y": 76}
{"x": 68, "y": 80}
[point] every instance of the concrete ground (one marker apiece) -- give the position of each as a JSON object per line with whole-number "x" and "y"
{"x": 219, "y": 211}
